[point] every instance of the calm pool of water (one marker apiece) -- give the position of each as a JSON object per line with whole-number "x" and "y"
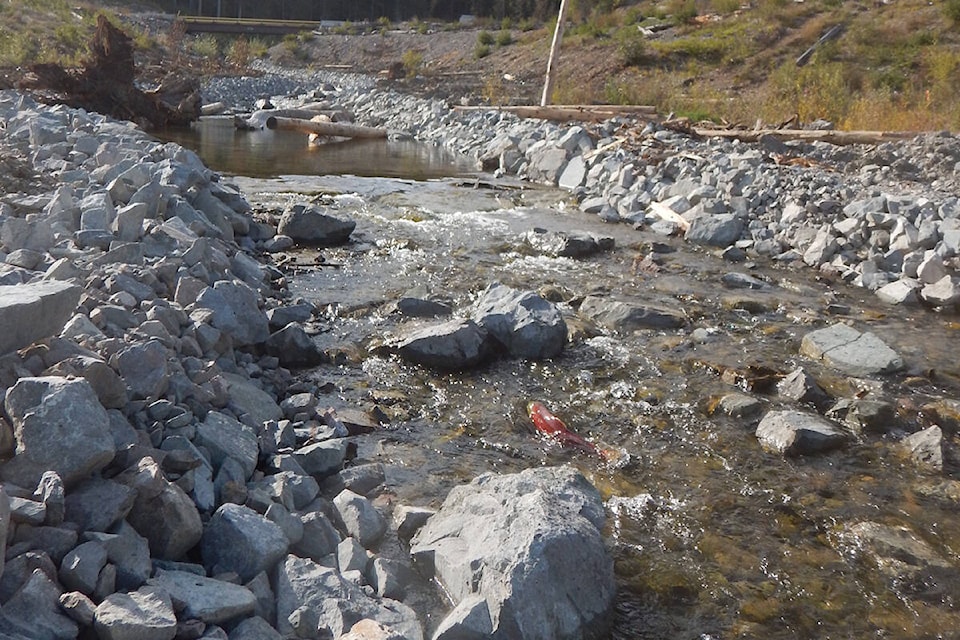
{"x": 266, "y": 154}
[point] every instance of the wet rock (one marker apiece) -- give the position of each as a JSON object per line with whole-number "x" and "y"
{"x": 236, "y": 312}
{"x": 567, "y": 244}
{"x": 206, "y": 599}
{"x": 529, "y": 545}
{"x": 309, "y": 225}
{"x": 59, "y": 425}
{"x": 304, "y": 584}
{"x": 736, "y": 280}
{"x": 925, "y": 447}
{"x": 30, "y": 312}
{"x": 294, "y": 347}
{"x": 864, "y": 415}
{"x": 412, "y": 306}
{"x": 145, "y": 614}
{"x": 523, "y": 322}
{"x": 239, "y": 539}
{"x": 627, "y": 316}
{"x": 793, "y": 433}
{"x": 899, "y": 554}
{"x": 34, "y": 610}
{"x": 453, "y": 345}
{"x": 799, "y": 386}
{"x": 361, "y": 518}
{"x": 846, "y": 349}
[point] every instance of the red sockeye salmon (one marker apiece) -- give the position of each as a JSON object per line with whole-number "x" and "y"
{"x": 553, "y": 427}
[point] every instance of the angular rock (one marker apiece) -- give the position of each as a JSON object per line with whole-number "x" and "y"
{"x": 81, "y": 567}
{"x": 309, "y": 225}
{"x": 30, "y": 312}
{"x": 206, "y": 599}
{"x": 529, "y": 545}
{"x": 322, "y": 459}
{"x": 522, "y": 321}
{"x": 320, "y": 538}
{"x": 106, "y": 382}
{"x": 945, "y": 292}
{"x": 255, "y": 628}
{"x": 338, "y": 604}
{"x": 567, "y": 244}
{"x": 236, "y": 312}
{"x": 361, "y": 518}
{"x": 799, "y": 386}
{"x": 145, "y": 614}
{"x": 239, "y": 539}
{"x": 162, "y": 513}
{"x": 129, "y": 552}
{"x": 97, "y": 504}
{"x": 453, "y": 345}
{"x": 846, "y": 349}
{"x": 925, "y": 447}
{"x": 78, "y": 608}
{"x": 624, "y": 316}
{"x": 720, "y": 230}
{"x": 225, "y": 437}
{"x": 294, "y": 348}
{"x": 794, "y": 433}
{"x": 4, "y": 525}
{"x": 59, "y": 425}
{"x": 903, "y": 291}
{"x": 34, "y": 610}
{"x": 144, "y": 369}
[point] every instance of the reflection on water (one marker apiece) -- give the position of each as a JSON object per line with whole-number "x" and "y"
{"x": 266, "y": 154}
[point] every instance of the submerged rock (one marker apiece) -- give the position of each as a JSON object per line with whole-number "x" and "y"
{"x": 523, "y": 322}
{"x": 846, "y": 349}
{"x": 793, "y": 433}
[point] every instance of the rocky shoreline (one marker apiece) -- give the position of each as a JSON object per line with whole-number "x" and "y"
{"x": 165, "y": 477}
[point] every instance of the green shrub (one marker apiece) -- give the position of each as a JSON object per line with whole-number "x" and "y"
{"x": 682, "y": 10}
{"x": 205, "y": 46}
{"x": 504, "y": 38}
{"x": 481, "y": 51}
{"x": 238, "y": 52}
{"x": 632, "y": 46}
{"x": 485, "y": 38}
{"x": 412, "y": 61}
{"x": 527, "y": 24}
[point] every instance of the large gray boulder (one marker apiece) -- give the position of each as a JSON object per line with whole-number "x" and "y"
{"x": 239, "y": 539}
{"x": 451, "y": 346}
{"x": 59, "y": 425}
{"x": 225, "y": 437}
{"x": 305, "y": 586}
{"x": 522, "y": 556}
{"x": 527, "y": 325}
{"x": 236, "y": 311}
{"x": 29, "y": 312}
{"x": 792, "y": 433}
{"x": 720, "y": 230}
{"x": 846, "y": 349}
{"x": 568, "y": 244}
{"x": 623, "y": 316}
{"x": 309, "y": 225}
{"x": 34, "y": 610}
{"x": 145, "y": 614}
{"x": 206, "y": 599}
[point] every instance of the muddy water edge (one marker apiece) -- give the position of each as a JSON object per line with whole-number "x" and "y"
{"x": 712, "y": 536}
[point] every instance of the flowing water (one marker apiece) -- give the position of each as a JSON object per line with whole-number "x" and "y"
{"x": 713, "y": 538}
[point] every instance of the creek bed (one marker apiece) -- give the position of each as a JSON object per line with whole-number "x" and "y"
{"x": 712, "y": 536}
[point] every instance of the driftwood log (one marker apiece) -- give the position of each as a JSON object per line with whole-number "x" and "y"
{"x": 258, "y": 119}
{"x": 105, "y": 84}
{"x": 566, "y": 113}
{"x": 834, "y": 137}
{"x": 338, "y": 129}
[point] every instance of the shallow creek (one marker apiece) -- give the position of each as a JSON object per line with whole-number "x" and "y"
{"x": 713, "y": 538}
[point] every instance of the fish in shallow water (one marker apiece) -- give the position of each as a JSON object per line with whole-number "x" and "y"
{"x": 553, "y": 427}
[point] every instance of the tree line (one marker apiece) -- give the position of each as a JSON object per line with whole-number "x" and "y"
{"x": 372, "y": 10}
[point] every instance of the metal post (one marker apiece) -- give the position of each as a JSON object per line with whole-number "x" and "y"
{"x": 554, "y": 51}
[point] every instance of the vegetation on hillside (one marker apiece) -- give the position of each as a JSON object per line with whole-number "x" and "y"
{"x": 890, "y": 65}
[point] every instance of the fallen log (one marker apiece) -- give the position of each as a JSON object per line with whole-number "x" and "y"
{"x": 566, "y": 113}
{"x": 258, "y": 119}
{"x": 338, "y": 129}
{"x": 833, "y": 137}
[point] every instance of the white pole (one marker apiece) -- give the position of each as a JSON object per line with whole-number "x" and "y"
{"x": 554, "y": 50}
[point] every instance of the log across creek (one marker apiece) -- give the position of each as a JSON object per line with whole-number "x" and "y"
{"x": 339, "y": 129}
